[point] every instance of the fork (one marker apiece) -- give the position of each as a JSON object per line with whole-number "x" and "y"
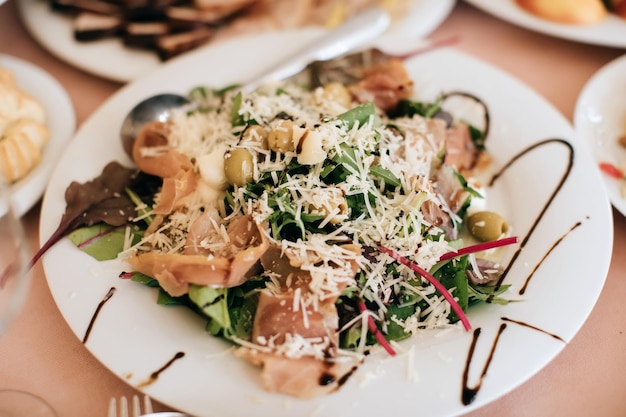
{"x": 134, "y": 409}
{"x": 129, "y": 410}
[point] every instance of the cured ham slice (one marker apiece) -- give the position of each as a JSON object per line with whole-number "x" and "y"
{"x": 460, "y": 150}
{"x": 176, "y": 271}
{"x": 384, "y": 84}
{"x": 304, "y": 377}
{"x": 153, "y": 155}
{"x": 175, "y": 189}
{"x": 281, "y": 314}
{"x": 450, "y": 189}
{"x": 452, "y": 196}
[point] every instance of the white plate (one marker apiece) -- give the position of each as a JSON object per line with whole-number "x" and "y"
{"x": 610, "y": 32}
{"x": 112, "y": 60}
{"x": 60, "y": 121}
{"x": 135, "y": 337}
{"x": 600, "y": 119}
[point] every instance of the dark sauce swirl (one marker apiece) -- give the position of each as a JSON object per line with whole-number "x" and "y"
{"x": 486, "y": 117}
{"x": 469, "y": 393}
{"x": 545, "y": 256}
{"x": 155, "y": 375}
{"x": 557, "y": 188}
{"x": 101, "y": 304}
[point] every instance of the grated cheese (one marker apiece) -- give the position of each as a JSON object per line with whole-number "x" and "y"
{"x": 394, "y": 219}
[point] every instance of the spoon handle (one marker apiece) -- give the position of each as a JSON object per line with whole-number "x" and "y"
{"x": 354, "y": 33}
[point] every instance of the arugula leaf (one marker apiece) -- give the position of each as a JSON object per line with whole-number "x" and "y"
{"x": 236, "y": 119}
{"x": 359, "y": 114}
{"x": 350, "y": 338}
{"x": 482, "y": 293}
{"x": 341, "y": 165}
{"x": 478, "y": 136}
{"x": 242, "y": 316}
{"x": 165, "y": 299}
{"x": 409, "y": 108}
{"x": 385, "y": 175}
{"x": 394, "y": 330}
{"x": 143, "y": 279}
{"x": 142, "y": 208}
{"x": 452, "y": 275}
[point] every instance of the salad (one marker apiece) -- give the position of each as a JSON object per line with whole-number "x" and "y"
{"x": 309, "y": 225}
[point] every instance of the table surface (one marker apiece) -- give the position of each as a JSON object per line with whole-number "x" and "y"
{"x": 40, "y": 354}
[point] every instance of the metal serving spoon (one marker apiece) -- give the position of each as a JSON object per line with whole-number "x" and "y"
{"x": 351, "y": 35}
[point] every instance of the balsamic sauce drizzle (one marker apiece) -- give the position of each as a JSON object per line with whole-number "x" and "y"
{"x": 530, "y": 326}
{"x": 486, "y": 117}
{"x": 558, "y": 187}
{"x": 469, "y": 393}
{"x": 106, "y": 298}
{"x": 328, "y": 378}
{"x": 155, "y": 375}
{"x": 545, "y": 256}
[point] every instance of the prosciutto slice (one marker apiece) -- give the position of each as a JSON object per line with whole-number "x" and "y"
{"x": 280, "y": 314}
{"x": 153, "y": 155}
{"x": 174, "y": 189}
{"x": 461, "y": 152}
{"x": 304, "y": 377}
{"x": 297, "y": 339}
{"x": 384, "y": 84}
{"x": 176, "y": 271}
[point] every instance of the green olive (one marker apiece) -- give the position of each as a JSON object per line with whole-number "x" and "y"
{"x": 238, "y": 166}
{"x": 337, "y": 92}
{"x": 256, "y": 133}
{"x": 486, "y": 225}
{"x": 280, "y": 138}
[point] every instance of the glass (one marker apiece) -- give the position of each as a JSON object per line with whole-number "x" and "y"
{"x": 15, "y": 403}
{"x": 15, "y": 280}
{"x": 14, "y": 258}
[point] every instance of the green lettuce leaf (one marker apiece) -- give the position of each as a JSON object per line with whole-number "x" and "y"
{"x": 212, "y": 302}
{"x": 101, "y": 241}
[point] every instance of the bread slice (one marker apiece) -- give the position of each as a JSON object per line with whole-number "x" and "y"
{"x": 90, "y": 26}
{"x": 169, "y": 46}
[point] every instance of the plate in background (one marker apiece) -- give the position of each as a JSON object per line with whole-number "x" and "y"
{"x": 109, "y": 58}
{"x": 600, "y": 119}
{"x": 610, "y": 32}
{"x": 60, "y": 122}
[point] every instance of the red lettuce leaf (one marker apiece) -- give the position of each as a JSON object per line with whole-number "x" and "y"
{"x": 100, "y": 200}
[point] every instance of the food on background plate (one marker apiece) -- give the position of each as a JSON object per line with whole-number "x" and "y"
{"x": 617, "y": 172}
{"x": 308, "y": 225}
{"x": 578, "y": 12}
{"x": 616, "y": 6}
{"x": 23, "y": 132}
{"x": 172, "y": 27}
